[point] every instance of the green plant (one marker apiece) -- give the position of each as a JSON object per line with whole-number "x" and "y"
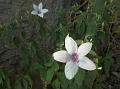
{"x": 30, "y": 36}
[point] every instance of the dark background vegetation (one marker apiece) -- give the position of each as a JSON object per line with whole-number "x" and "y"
{"x": 12, "y": 11}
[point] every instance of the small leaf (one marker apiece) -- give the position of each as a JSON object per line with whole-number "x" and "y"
{"x": 56, "y": 84}
{"x": 92, "y": 53}
{"x": 49, "y": 75}
{"x": 50, "y": 63}
{"x": 79, "y": 78}
{"x": 55, "y": 66}
{"x": 79, "y": 42}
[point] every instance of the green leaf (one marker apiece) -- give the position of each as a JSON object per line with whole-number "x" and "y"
{"x": 80, "y": 26}
{"x": 25, "y": 84}
{"x": 93, "y": 53}
{"x": 49, "y": 63}
{"x": 91, "y": 25}
{"x": 98, "y": 6}
{"x": 17, "y": 85}
{"x": 29, "y": 80}
{"x": 79, "y": 78}
{"x": 49, "y": 75}
{"x": 55, "y": 66}
{"x": 63, "y": 81}
{"x": 74, "y": 86}
{"x": 56, "y": 84}
{"x": 79, "y": 42}
{"x": 117, "y": 6}
{"x": 37, "y": 68}
{"x": 3, "y": 75}
{"x": 90, "y": 76}
{"x": 8, "y": 83}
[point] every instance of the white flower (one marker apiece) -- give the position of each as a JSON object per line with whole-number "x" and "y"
{"x": 74, "y": 57}
{"x": 99, "y": 68}
{"x": 38, "y": 10}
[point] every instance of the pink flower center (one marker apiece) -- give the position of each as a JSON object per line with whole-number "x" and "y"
{"x": 74, "y": 57}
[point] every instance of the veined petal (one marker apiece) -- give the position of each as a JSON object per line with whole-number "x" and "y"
{"x": 84, "y": 48}
{"x": 34, "y": 12}
{"x": 70, "y": 45}
{"x": 41, "y": 15}
{"x": 35, "y": 7}
{"x": 61, "y": 56}
{"x": 86, "y": 64}
{"x": 71, "y": 69}
{"x": 44, "y": 10}
{"x": 40, "y": 6}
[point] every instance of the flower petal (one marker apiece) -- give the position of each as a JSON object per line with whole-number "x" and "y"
{"x": 71, "y": 69}
{"x": 70, "y": 45}
{"x": 40, "y": 6}
{"x": 84, "y": 48}
{"x": 44, "y": 11}
{"x": 41, "y": 15}
{"x": 86, "y": 63}
{"x": 61, "y": 56}
{"x": 34, "y": 12}
{"x": 35, "y": 7}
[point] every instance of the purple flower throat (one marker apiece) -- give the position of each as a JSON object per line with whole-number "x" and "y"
{"x": 74, "y": 57}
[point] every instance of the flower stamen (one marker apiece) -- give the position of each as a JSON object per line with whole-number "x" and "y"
{"x": 74, "y": 57}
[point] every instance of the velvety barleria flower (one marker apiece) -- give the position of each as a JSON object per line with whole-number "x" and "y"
{"x": 38, "y": 10}
{"x": 74, "y": 57}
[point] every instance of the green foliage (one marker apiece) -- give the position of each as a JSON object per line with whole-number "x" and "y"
{"x": 80, "y": 77}
{"x": 49, "y": 75}
{"x": 107, "y": 62}
{"x": 56, "y": 84}
{"x": 94, "y": 23}
{"x": 24, "y": 82}
{"x": 117, "y": 6}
